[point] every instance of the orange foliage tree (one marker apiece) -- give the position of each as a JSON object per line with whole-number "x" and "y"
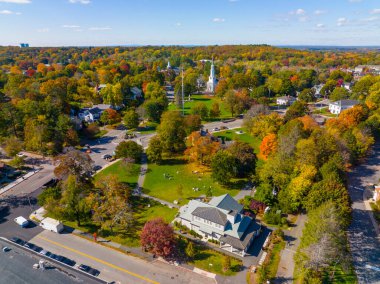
{"x": 201, "y": 148}
{"x": 268, "y": 145}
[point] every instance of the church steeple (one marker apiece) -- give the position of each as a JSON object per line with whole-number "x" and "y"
{"x": 211, "y": 84}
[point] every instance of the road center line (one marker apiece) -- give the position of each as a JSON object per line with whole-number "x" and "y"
{"x": 100, "y": 261}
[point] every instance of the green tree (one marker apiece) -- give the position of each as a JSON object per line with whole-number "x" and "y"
{"x": 233, "y": 103}
{"x": 17, "y": 162}
{"x": 201, "y": 110}
{"x": 224, "y": 167}
{"x": 12, "y": 146}
{"x": 131, "y": 119}
{"x": 339, "y": 94}
{"x": 192, "y": 123}
{"x": 172, "y": 132}
{"x": 129, "y": 149}
{"x": 215, "y": 110}
{"x": 298, "y": 109}
{"x": 190, "y": 250}
{"x": 226, "y": 263}
{"x": 154, "y": 151}
{"x": 307, "y": 95}
{"x": 245, "y": 158}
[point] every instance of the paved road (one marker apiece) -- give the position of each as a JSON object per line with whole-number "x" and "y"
{"x": 113, "y": 265}
{"x": 16, "y": 267}
{"x": 365, "y": 243}
{"x": 293, "y": 239}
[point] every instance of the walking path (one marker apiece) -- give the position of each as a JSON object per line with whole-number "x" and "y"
{"x": 286, "y": 265}
{"x": 18, "y": 181}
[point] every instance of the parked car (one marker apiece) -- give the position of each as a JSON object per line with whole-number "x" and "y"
{"x": 45, "y": 252}
{"x": 107, "y": 157}
{"x": 224, "y": 127}
{"x": 89, "y": 270}
{"x": 21, "y": 221}
{"x": 67, "y": 261}
{"x": 18, "y": 241}
{"x": 33, "y": 247}
{"x": 52, "y": 225}
{"x": 216, "y": 129}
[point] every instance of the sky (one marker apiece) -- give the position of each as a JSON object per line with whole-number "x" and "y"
{"x": 189, "y": 22}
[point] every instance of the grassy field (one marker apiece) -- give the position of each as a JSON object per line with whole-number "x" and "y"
{"x": 231, "y": 135}
{"x": 208, "y": 101}
{"x": 125, "y": 174}
{"x": 211, "y": 261}
{"x": 143, "y": 210}
{"x": 179, "y": 173}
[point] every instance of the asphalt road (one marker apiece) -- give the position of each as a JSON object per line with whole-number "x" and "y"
{"x": 113, "y": 265}
{"x": 16, "y": 267}
{"x": 365, "y": 243}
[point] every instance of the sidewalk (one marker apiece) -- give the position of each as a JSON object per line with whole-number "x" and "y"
{"x": 367, "y": 195}
{"x": 18, "y": 181}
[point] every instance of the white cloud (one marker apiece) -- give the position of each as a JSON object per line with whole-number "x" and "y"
{"x": 6, "y": 12}
{"x": 320, "y": 26}
{"x": 375, "y": 11}
{"x": 80, "y": 1}
{"x": 341, "y": 22}
{"x": 178, "y": 24}
{"x": 100, "y": 28}
{"x": 218, "y": 20}
{"x": 70, "y": 26}
{"x": 355, "y": 1}
{"x": 16, "y": 1}
{"x": 300, "y": 12}
{"x": 43, "y": 30}
{"x": 371, "y": 19}
{"x": 319, "y": 12}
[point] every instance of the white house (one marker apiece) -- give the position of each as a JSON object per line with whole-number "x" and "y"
{"x": 221, "y": 219}
{"x": 92, "y": 114}
{"x": 339, "y": 106}
{"x": 286, "y": 100}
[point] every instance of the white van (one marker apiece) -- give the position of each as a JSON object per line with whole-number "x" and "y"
{"x": 52, "y": 225}
{"x": 22, "y": 221}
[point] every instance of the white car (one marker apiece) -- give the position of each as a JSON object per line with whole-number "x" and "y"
{"x": 22, "y": 221}
{"x": 216, "y": 129}
{"x": 21, "y": 155}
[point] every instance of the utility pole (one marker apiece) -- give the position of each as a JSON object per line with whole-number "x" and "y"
{"x": 183, "y": 97}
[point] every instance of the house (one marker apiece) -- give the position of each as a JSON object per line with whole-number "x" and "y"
{"x": 286, "y": 100}
{"x": 170, "y": 93}
{"x": 318, "y": 89}
{"x": 339, "y": 106}
{"x": 221, "y": 219}
{"x": 136, "y": 93}
{"x": 347, "y": 86}
{"x": 92, "y": 114}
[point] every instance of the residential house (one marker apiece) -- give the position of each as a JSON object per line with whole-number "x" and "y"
{"x": 136, "y": 93}
{"x": 286, "y": 100}
{"x": 339, "y": 106}
{"x": 92, "y": 114}
{"x": 221, "y": 219}
{"x": 170, "y": 93}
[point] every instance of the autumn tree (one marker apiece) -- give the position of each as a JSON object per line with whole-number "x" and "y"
{"x": 171, "y": 132}
{"x": 201, "y": 110}
{"x": 154, "y": 151}
{"x": 201, "y": 148}
{"x": 12, "y": 146}
{"x": 268, "y": 145}
{"x": 215, "y": 110}
{"x": 192, "y": 123}
{"x": 110, "y": 116}
{"x": 245, "y": 158}
{"x": 131, "y": 119}
{"x": 74, "y": 163}
{"x": 158, "y": 238}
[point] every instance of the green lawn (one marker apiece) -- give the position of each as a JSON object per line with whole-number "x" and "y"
{"x": 324, "y": 111}
{"x": 127, "y": 174}
{"x": 340, "y": 277}
{"x": 157, "y": 185}
{"x": 245, "y": 137}
{"x": 208, "y": 101}
{"x": 142, "y": 212}
{"x": 211, "y": 261}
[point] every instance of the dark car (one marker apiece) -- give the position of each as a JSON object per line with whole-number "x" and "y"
{"x": 89, "y": 270}
{"x": 18, "y": 241}
{"x": 55, "y": 256}
{"x": 33, "y": 247}
{"x": 67, "y": 261}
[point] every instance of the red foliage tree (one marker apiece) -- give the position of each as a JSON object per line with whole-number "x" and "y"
{"x": 158, "y": 238}
{"x": 257, "y": 206}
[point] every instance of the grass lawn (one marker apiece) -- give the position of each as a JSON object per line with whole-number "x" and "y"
{"x": 208, "y": 101}
{"x": 324, "y": 111}
{"x": 142, "y": 212}
{"x": 127, "y": 174}
{"x": 340, "y": 276}
{"x": 180, "y": 173}
{"x": 211, "y": 261}
{"x": 231, "y": 135}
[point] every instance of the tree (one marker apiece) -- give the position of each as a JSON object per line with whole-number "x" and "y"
{"x": 17, "y": 162}
{"x": 110, "y": 116}
{"x": 131, "y": 119}
{"x": 262, "y": 125}
{"x": 154, "y": 151}
{"x": 190, "y": 250}
{"x": 223, "y": 166}
{"x": 73, "y": 199}
{"x": 12, "y": 146}
{"x": 201, "y": 148}
{"x": 129, "y": 149}
{"x": 74, "y": 163}
{"x": 233, "y": 103}
{"x": 110, "y": 203}
{"x": 171, "y": 132}
{"x": 154, "y": 109}
{"x": 297, "y": 109}
{"x": 245, "y": 158}
{"x": 226, "y": 263}
{"x": 215, "y": 110}
{"x": 192, "y": 123}
{"x": 339, "y": 94}
{"x": 91, "y": 130}
{"x": 158, "y": 238}
{"x": 307, "y": 95}
{"x": 201, "y": 110}
{"x": 268, "y": 145}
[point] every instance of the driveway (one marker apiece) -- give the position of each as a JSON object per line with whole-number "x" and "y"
{"x": 114, "y": 265}
{"x": 363, "y": 238}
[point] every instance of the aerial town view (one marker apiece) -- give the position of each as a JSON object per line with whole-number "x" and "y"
{"x": 189, "y": 142}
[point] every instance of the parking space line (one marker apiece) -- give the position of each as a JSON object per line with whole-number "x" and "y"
{"x": 100, "y": 261}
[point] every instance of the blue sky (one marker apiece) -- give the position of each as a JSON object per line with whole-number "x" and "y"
{"x": 125, "y": 22}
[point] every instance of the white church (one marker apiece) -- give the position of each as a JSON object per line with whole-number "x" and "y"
{"x": 212, "y": 81}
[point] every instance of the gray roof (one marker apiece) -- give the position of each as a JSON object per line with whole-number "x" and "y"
{"x": 226, "y": 202}
{"x": 242, "y": 242}
{"x": 211, "y": 214}
{"x": 346, "y": 103}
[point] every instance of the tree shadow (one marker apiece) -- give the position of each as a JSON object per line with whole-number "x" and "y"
{"x": 173, "y": 162}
